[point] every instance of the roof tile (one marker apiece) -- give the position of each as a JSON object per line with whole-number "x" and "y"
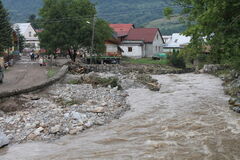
{"x": 142, "y": 34}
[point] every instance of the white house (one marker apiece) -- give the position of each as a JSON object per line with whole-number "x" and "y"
{"x": 142, "y": 42}
{"x": 176, "y": 42}
{"x": 30, "y": 35}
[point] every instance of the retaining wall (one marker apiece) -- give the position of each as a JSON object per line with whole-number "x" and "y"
{"x": 115, "y": 68}
{"x": 50, "y": 81}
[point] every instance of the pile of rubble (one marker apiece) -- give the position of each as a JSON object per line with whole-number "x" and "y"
{"x": 69, "y": 107}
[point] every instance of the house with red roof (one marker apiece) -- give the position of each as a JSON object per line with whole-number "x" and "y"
{"x": 122, "y": 29}
{"x": 142, "y": 42}
{"x": 112, "y": 45}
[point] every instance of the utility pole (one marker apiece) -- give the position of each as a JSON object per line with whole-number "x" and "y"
{"x": 93, "y": 34}
{"x": 18, "y": 42}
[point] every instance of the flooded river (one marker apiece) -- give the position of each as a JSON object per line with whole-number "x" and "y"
{"x": 188, "y": 119}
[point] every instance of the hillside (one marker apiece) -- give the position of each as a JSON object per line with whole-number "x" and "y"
{"x": 166, "y": 26}
{"x": 139, "y": 12}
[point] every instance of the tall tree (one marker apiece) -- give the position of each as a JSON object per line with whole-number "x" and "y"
{"x": 214, "y": 23}
{"x": 66, "y": 26}
{"x": 34, "y": 21}
{"x": 20, "y": 40}
{"x": 5, "y": 29}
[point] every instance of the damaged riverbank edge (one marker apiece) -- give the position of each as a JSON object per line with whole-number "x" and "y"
{"x": 76, "y": 103}
{"x": 231, "y": 83}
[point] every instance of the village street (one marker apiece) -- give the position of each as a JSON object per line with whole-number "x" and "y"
{"x": 24, "y": 73}
{"x": 188, "y": 119}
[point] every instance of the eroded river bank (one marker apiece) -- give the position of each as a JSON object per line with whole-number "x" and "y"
{"x": 188, "y": 118}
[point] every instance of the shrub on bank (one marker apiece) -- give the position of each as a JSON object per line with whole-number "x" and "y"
{"x": 177, "y": 60}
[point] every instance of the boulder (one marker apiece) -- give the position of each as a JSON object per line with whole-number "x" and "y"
{"x": 38, "y": 131}
{"x": 98, "y": 110}
{"x": 78, "y": 116}
{"x": 236, "y": 109}
{"x": 209, "y": 68}
{"x": 3, "y": 140}
{"x": 234, "y": 102}
{"x": 55, "y": 129}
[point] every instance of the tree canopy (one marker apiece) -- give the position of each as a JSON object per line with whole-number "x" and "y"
{"x": 213, "y": 23}
{"x": 5, "y": 29}
{"x": 67, "y": 25}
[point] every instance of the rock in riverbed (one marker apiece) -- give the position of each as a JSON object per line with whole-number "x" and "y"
{"x": 3, "y": 140}
{"x": 63, "y": 109}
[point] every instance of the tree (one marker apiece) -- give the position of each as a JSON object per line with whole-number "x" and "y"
{"x": 213, "y": 23}
{"x": 34, "y": 21}
{"x": 168, "y": 12}
{"x": 65, "y": 26}
{"x": 20, "y": 40}
{"x": 5, "y": 29}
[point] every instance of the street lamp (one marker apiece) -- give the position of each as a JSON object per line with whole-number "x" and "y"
{"x": 93, "y": 34}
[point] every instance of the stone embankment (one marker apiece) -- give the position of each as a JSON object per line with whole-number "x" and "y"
{"x": 231, "y": 83}
{"x": 128, "y": 68}
{"x": 75, "y": 104}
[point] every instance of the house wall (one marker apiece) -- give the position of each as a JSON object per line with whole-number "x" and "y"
{"x": 137, "y": 50}
{"x": 31, "y": 38}
{"x": 167, "y": 50}
{"x": 155, "y": 47}
{"x": 36, "y": 44}
{"x": 149, "y": 50}
{"x": 111, "y": 48}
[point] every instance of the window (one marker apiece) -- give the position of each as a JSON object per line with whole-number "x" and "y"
{"x": 30, "y": 34}
{"x": 157, "y": 37}
{"x": 159, "y": 48}
{"x": 156, "y": 48}
{"x": 129, "y": 49}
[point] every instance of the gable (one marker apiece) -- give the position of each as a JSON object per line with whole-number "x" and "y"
{"x": 121, "y": 29}
{"x": 142, "y": 34}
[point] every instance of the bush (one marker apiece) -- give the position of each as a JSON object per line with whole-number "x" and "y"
{"x": 177, "y": 60}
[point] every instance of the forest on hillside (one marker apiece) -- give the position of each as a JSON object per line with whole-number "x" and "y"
{"x": 138, "y": 12}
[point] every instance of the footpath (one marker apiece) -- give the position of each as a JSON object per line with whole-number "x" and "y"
{"x": 26, "y": 76}
{"x": 23, "y": 74}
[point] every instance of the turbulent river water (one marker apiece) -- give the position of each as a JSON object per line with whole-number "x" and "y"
{"x": 188, "y": 119}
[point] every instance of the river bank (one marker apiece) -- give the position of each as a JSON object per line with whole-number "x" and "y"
{"x": 75, "y": 104}
{"x": 231, "y": 83}
{"x": 187, "y": 119}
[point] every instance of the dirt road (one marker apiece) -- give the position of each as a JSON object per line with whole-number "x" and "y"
{"x": 23, "y": 74}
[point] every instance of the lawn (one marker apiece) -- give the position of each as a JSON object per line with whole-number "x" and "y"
{"x": 145, "y": 61}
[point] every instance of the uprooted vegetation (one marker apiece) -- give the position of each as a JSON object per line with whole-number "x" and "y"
{"x": 96, "y": 80}
{"x": 147, "y": 80}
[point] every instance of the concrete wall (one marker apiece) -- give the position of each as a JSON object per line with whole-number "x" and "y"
{"x": 137, "y": 50}
{"x": 111, "y": 48}
{"x": 155, "y": 47}
{"x": 149, "y": 50}
{"x": 158, "y": 42}
{"x": 52, "y": 80}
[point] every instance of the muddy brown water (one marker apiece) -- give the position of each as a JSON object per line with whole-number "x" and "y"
{"x": 188, "y": 119}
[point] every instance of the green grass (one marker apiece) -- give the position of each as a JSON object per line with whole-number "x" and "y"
{"x": 145, "y": 61}
{"x": 74, "y": 81}
{"x": 51, "y": 72}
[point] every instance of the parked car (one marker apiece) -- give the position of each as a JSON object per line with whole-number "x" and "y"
{"x": 159, "y": 56}
{"x": 1, "y": 74}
